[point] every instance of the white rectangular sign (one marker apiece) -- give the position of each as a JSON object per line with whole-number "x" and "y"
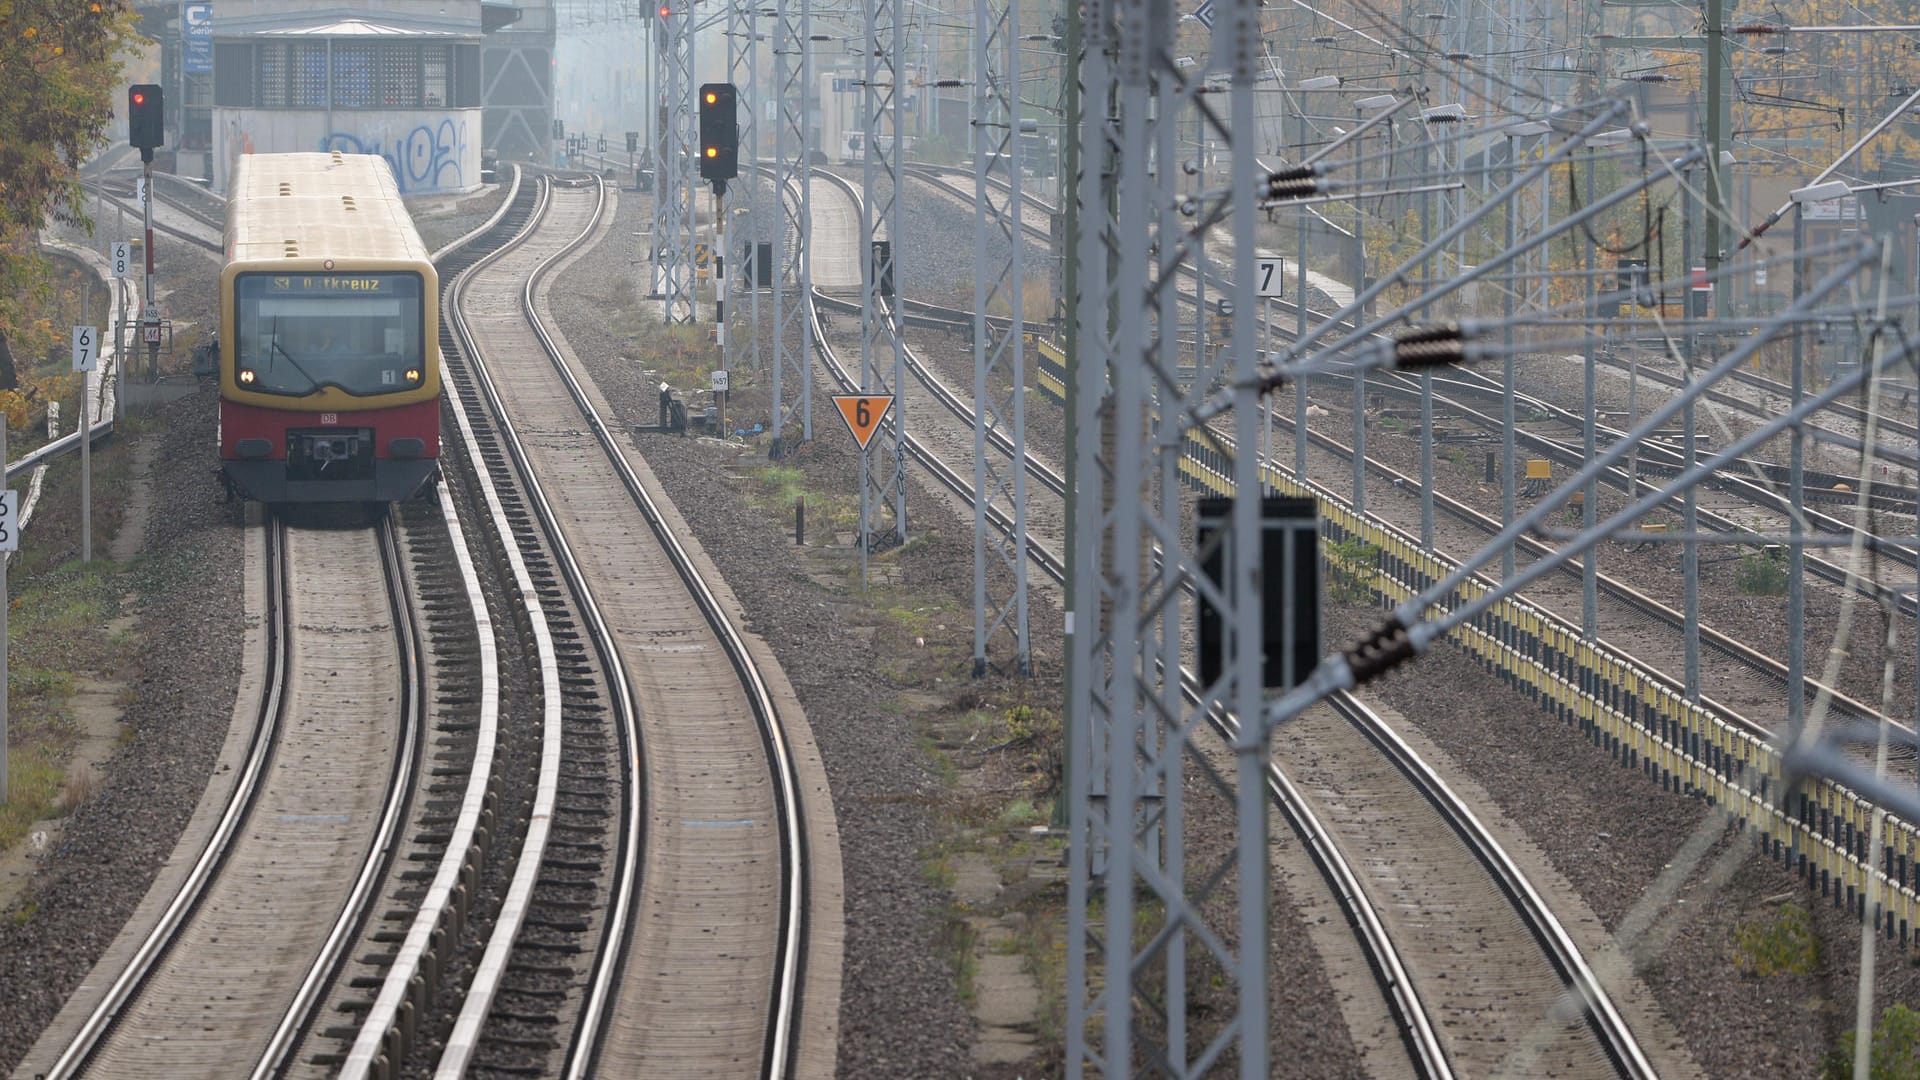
{"x": 122, "y": 259}
{"x": 720, "y": 382}
{"x": 150, "y": 334}
{"x": 9, "y": 520}
{"x": 1270, "y": 276}
{"x": 140, "y": 193}
{"x": 86, "y": 348}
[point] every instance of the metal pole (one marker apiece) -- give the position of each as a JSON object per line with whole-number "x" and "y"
{"x": 146, "y": 212}
{"x": 1590, "y": 565}
{"x": 86, "y": 462}
{"x": 118, "y": 287}
{"x": 1359, "y": 440}
{"x": 1070, "y": 765}
{"x": 1506, "y": 392}
{"x": 1266, "y": 406}
{"x": 1300, "y": 331}
{"x": 1796, "y": 503}
{"x": 1690, "y": 512}
{"x": 1426, "y": 377}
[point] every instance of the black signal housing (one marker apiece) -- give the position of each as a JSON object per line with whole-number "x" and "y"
{"x": 719, "y": 131}
{"x": 146, "y": 118}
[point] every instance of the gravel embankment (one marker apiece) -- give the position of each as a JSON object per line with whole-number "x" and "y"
{"x": 181, "y": 671}
{"x": 898, "y": 1012}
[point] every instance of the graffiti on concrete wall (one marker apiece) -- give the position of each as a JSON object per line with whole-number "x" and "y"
{"x": 428, "y": 158}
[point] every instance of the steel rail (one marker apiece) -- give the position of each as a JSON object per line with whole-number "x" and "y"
{"x": 783, "y": 1007}
{"x": 1423, "y": 1043}
{"x": 623, "y": 888}
{"x": 465, "y": 1037}
{"x": 401, "y": 783}
{"x": 99, "y": 191}
{"x": 272, "y": 715}
{"x": 271, "y": 710}
{"x": 1611, "y": 1028}
{"x": 417, "y": 949}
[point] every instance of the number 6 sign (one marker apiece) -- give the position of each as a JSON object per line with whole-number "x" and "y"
{"x": 863, "y": 413}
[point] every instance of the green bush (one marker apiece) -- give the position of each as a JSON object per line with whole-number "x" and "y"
{"x": 1762, "y": 573}
{"x": 1351, "y": 565}
{"x": 1896, "y": 1049}
{"x": 1783, "y": 944}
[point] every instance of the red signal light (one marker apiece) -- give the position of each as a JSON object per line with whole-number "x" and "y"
{"x": 665, "y": 11}
{"x": 139, "y": 98}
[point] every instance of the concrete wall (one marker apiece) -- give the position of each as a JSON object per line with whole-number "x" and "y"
{"x": 432, "y": 151}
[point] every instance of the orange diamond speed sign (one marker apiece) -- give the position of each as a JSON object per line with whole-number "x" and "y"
{"x": 863, "y": 412}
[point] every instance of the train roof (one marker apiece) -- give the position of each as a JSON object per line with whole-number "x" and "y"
{"x": 318, "y": 206}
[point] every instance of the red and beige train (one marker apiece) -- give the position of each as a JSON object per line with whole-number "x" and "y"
{"x": 329, "y": 324}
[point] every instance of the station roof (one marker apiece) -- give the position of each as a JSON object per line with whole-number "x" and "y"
{"x": 343, "y": 23}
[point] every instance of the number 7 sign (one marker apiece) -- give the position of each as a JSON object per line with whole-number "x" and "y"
{"x": 1270, "y": 277}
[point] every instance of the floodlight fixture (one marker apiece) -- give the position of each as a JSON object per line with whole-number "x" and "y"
{"x": 1377, "y": 101}
{"x": 1318, "y": 82}
{"x": 1529, "y": 128}
{"x": 1817, "y": 193}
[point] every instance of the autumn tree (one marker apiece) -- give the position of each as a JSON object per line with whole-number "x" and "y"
{"x": 62, "y": 60}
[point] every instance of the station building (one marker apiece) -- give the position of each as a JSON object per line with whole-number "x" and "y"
{"x": 399, "y": 82}
{"x": 404, "y": 80}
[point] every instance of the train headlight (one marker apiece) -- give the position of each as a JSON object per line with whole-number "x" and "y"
{"x": 246, "y": 375}
{"x": 413, "y": 374}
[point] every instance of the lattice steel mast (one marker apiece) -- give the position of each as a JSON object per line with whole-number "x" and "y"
{"x": 999, "y": 359}
{"x": 883, "y": 498}
{"x": 674, "y": 192}
{"x": 793, "y": 188}
{"x": 1134, "y": 920}
{"x": 741, "y": 201}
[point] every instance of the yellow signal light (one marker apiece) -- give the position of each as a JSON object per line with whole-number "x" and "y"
{"x": 712, "y": 98}
{"x": 713, "y": 151}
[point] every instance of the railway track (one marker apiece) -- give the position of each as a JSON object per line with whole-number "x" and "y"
{"x": 1736, "y": 657}
{"x": 323, "y": 780}
{"x": 1439, "y": 1004}
{"x": 196, "y": 227}
{"x": 700, "y": 785}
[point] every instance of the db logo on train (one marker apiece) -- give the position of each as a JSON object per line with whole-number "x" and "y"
{"x": 329, "y": 418}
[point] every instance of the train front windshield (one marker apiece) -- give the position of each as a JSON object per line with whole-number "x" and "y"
{"x": 302, "y": 332}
